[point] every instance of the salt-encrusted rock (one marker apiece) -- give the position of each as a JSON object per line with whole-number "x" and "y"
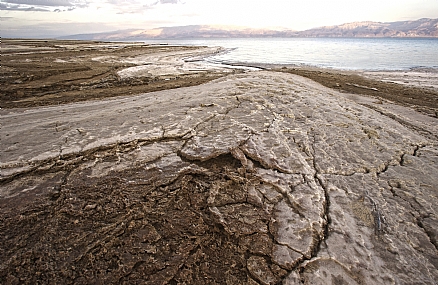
{"x": 257, "y": 178}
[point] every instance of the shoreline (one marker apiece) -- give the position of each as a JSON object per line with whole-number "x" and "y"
{"x": 398, "y": 86}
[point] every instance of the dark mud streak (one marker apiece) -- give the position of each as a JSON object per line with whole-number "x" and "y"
{"x": 379, "y": 219}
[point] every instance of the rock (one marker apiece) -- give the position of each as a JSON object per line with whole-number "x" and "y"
{"x": 90, "y": 207}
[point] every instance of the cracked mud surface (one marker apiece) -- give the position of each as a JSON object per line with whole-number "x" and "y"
{"x": 254, "y": 178}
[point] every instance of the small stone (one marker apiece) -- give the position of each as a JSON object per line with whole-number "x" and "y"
{"x": 90, "y": 207}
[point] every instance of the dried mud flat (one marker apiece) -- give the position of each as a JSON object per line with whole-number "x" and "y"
{"x": 253, "y": 178}
{"x": 40, "y": 72}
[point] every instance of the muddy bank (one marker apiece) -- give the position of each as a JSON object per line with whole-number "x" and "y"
{"x": 252, "y": 178}
{"x": 40, "y": 73}
{"x": 423, "y": 96}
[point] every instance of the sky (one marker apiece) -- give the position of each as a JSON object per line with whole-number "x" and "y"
{"x": 51, "y": 18}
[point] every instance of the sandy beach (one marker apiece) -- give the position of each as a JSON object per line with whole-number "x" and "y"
{"x": 124, "y": 163}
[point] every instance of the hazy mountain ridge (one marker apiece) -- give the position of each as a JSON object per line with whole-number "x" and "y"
{"x": 418, "y": 28}
{"x": 179, "y": 32}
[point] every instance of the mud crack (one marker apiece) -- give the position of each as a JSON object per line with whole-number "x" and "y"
{"x": 326, "y": 213}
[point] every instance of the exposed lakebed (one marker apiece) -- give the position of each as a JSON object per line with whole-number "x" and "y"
{"x": 260, "y": 177}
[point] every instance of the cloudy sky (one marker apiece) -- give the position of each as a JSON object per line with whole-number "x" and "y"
{"x": 49, "y": 18}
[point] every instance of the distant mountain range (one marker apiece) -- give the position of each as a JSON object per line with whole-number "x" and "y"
{"x": 427, "y": 28}
{"x": 418, "y": 28}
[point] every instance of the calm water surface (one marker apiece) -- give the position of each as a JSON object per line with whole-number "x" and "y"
{"x": 353, "y": 54}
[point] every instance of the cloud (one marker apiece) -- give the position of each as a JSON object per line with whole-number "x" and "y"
{"x": 138, "y": 6}
{"x": 169, "y": 1}
{"x": 19, "y": 8}
{"x": 122, "y": 6}
{"x": 37, "y": 29}
{"x": 148, "y": 3}
{"x": 41, "y": 5}
{"x": 41, "y": 2}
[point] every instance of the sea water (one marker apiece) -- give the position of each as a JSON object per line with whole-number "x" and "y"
{"x": 339, "y": 53}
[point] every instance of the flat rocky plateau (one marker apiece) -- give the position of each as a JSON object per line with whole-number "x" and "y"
{"x": 253, "y": 177}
